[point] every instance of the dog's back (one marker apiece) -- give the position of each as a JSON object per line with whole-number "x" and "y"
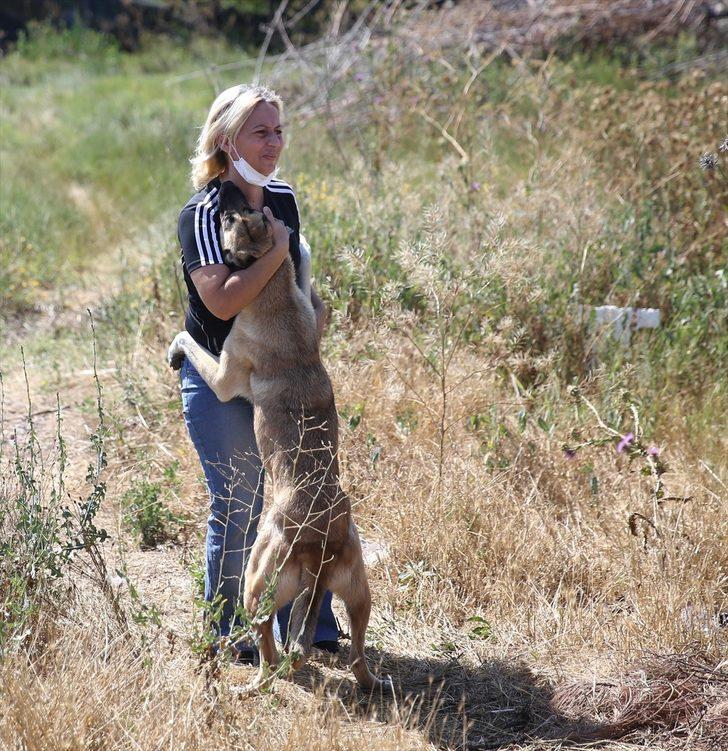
{"x": 299, "y": 446}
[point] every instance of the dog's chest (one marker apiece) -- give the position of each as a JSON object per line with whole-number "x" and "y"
{"x": 281, "y": 333}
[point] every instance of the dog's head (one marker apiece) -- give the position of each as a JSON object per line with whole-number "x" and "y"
{"x": 246, "y": 233}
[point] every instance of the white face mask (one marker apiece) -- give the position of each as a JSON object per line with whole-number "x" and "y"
{"x": 251, "y": 175}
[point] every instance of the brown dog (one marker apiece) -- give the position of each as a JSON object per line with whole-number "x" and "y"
{"x": 307, "y": 542}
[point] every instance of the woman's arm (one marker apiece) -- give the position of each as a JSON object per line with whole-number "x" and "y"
{"x": 226, "y": 293}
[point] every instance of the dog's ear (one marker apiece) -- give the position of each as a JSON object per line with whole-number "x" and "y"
{"x": 232, "y": 199}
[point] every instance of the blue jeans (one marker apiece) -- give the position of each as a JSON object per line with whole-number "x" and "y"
{"x": 222, "y": 433}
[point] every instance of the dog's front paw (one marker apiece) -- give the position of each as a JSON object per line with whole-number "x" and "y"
{"x": 176, "y": 351}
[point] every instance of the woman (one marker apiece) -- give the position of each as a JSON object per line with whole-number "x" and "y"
{"x": 241, "y": 141}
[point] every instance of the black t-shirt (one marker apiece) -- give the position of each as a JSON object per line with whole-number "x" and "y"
{"x": 201, "y": 242}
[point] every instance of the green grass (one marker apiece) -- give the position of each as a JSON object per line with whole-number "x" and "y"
{"x": 94, "y": 150}
{"x": 146, "y": 513}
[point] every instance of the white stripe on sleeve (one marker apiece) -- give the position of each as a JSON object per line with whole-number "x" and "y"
{"x": 304, "y": 268}
{"x": 198, "y": 240}
{"x": 218, "y": 253}
{"x": 208, "y": 228}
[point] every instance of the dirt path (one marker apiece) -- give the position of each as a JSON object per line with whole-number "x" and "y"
{"x": 31, "y": 396}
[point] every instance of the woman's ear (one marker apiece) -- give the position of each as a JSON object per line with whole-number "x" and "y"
{"x": 223, "y": 143}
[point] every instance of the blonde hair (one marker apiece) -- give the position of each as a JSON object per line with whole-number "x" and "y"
{"x": 227, "y": 116}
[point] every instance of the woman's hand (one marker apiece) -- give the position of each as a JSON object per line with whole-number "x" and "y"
{"x": 281, "y": 236}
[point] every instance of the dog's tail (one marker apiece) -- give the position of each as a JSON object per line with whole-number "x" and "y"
{"x": 303, "y": 619}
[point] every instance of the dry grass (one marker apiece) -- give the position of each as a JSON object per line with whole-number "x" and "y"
{"x": 564, "y": 587}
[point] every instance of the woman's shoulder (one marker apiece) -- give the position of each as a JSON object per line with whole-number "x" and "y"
{"x": 280, "y": 186}
{"x": 205, "y": 200}
{"x": 207, "y": 196}
{"x": 285, "y": 199}
{"x": 198, "y": 228}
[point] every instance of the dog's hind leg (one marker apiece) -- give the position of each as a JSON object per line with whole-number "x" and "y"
{"x": 349, "y": 581}
{"x": 268, "y": 568}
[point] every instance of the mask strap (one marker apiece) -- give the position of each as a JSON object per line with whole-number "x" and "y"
{"x": 226, "y": 145}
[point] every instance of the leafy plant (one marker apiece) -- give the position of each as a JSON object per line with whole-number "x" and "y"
{"x": 46, "y": 534}
{"x": 147, "y": 515}
{"x": 482, "y": 629}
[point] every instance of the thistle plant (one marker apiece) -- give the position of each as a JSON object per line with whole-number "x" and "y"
{"x": 635, "y": 447}
{"x": 708, "y": 162}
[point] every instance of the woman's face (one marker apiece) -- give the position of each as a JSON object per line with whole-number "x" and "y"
{"x": 260, "y": 140}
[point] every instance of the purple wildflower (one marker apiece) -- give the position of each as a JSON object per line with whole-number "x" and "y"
{"x": 569, "y": 452}
{"x": 653, "y": 451}
{"x": 475, "y": 186}
{"x": 359, "y": 76}
{"x": 625, "y": 442}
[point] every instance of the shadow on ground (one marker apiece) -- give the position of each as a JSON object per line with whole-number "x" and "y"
{"x": 456, "y": 706}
